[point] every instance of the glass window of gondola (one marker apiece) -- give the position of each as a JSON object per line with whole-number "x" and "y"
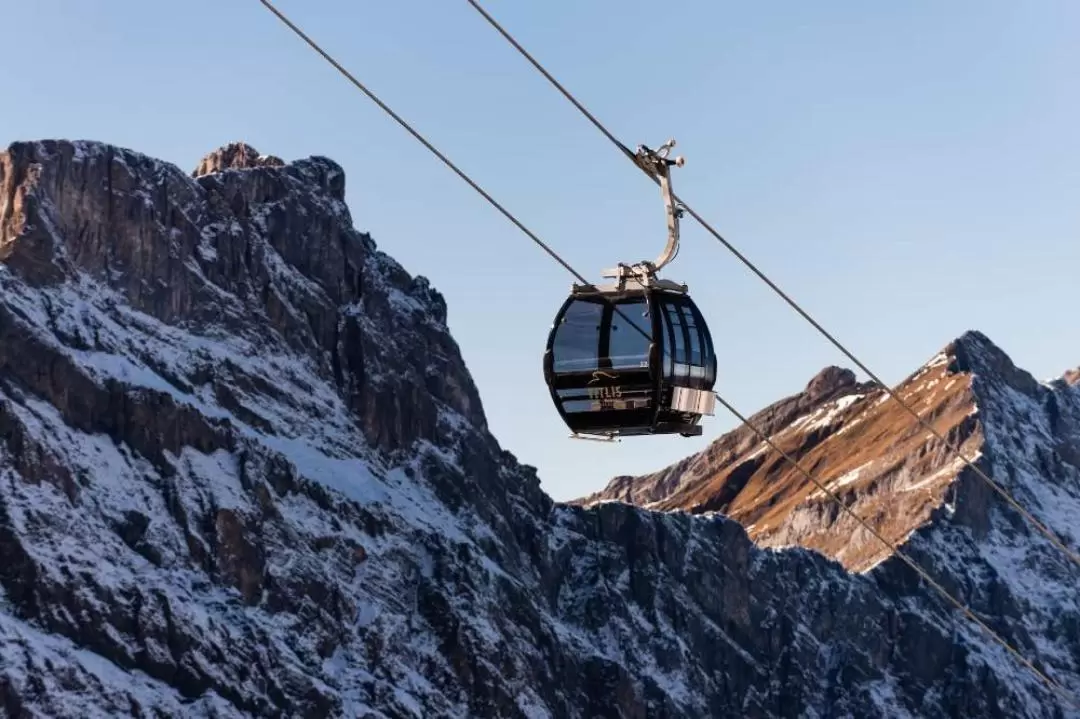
{"x": 688, "y": 352}
{"x": 706, "y": 354}
{"x": 696, "y": 355}
{"x": 577, "y": 338}
{"x": 679, "y": 339}
{"x": 631, "y": 334}
{"x": 592, "y": 335}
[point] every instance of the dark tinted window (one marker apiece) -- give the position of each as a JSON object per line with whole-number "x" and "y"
{"x": 678, "y": 350}
{"x": 577, "y": 338}
{"x": 695, "y": 357}
{"x": 667, "y": 336}
{"x": 688, "y": 353}
{"x": 631, "y": 335}
{"x": 708, "y": 352}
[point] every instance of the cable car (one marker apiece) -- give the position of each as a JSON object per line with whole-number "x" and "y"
{"x": 634, "y": 357}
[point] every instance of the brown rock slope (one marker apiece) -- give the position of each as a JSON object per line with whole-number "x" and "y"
{"x": 854, "y": 439}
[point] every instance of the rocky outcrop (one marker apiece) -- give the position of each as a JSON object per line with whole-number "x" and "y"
{"x": 696, "y": 484}
{"x": 235, "y": 156}
{"x": 244, "y": 472}
{"x": 862, "y": 445}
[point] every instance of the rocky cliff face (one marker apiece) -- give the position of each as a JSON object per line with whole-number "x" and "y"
{"x": 244, "y": 472}
{"x": 864, "y": 447}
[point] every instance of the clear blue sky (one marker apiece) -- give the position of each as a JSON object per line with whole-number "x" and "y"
{"x": 905, "y": 170}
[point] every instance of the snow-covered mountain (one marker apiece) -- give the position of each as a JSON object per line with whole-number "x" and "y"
{"x": 864, "y": 447}
{"x": 245, "y": 472}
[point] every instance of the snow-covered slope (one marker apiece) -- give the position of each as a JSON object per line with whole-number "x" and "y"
{"x": 244, "y": 472}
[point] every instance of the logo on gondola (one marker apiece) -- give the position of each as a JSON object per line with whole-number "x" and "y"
{"x": 603, "y": 393}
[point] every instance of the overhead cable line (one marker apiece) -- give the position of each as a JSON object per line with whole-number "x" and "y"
{"x": 1053, "y": 684}
{"x": 1046, "y": 531}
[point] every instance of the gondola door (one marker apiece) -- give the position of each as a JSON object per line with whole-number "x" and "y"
{"x": 601, "y": 365}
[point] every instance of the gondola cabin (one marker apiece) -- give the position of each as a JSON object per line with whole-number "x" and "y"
{"x": 631, "y": 362}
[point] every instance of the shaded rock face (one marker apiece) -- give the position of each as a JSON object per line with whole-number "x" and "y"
{"x": 245, "y": 473}
{"x": 268, "y": 251}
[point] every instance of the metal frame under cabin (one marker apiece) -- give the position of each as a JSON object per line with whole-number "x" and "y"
{"x": 674, "y": 406}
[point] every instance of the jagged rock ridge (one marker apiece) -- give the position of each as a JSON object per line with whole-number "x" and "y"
{"x": 244, "y": 472}
{"x": 863, "y": 446}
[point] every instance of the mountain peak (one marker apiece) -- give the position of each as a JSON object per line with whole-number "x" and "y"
{"x": 316, "y": 171}
{"x": 235, "y": 156}
{"x": 829, "y": 381}
{"x": 975, "y": 353}
{"x": 854, "y": 438}
{"x": 972, "y": 346}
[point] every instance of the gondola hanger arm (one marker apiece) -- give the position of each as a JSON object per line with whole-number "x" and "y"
{"x": 657, "y": 165}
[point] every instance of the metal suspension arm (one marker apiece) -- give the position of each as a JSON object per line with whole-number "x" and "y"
{"x": 656, "y": 164}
